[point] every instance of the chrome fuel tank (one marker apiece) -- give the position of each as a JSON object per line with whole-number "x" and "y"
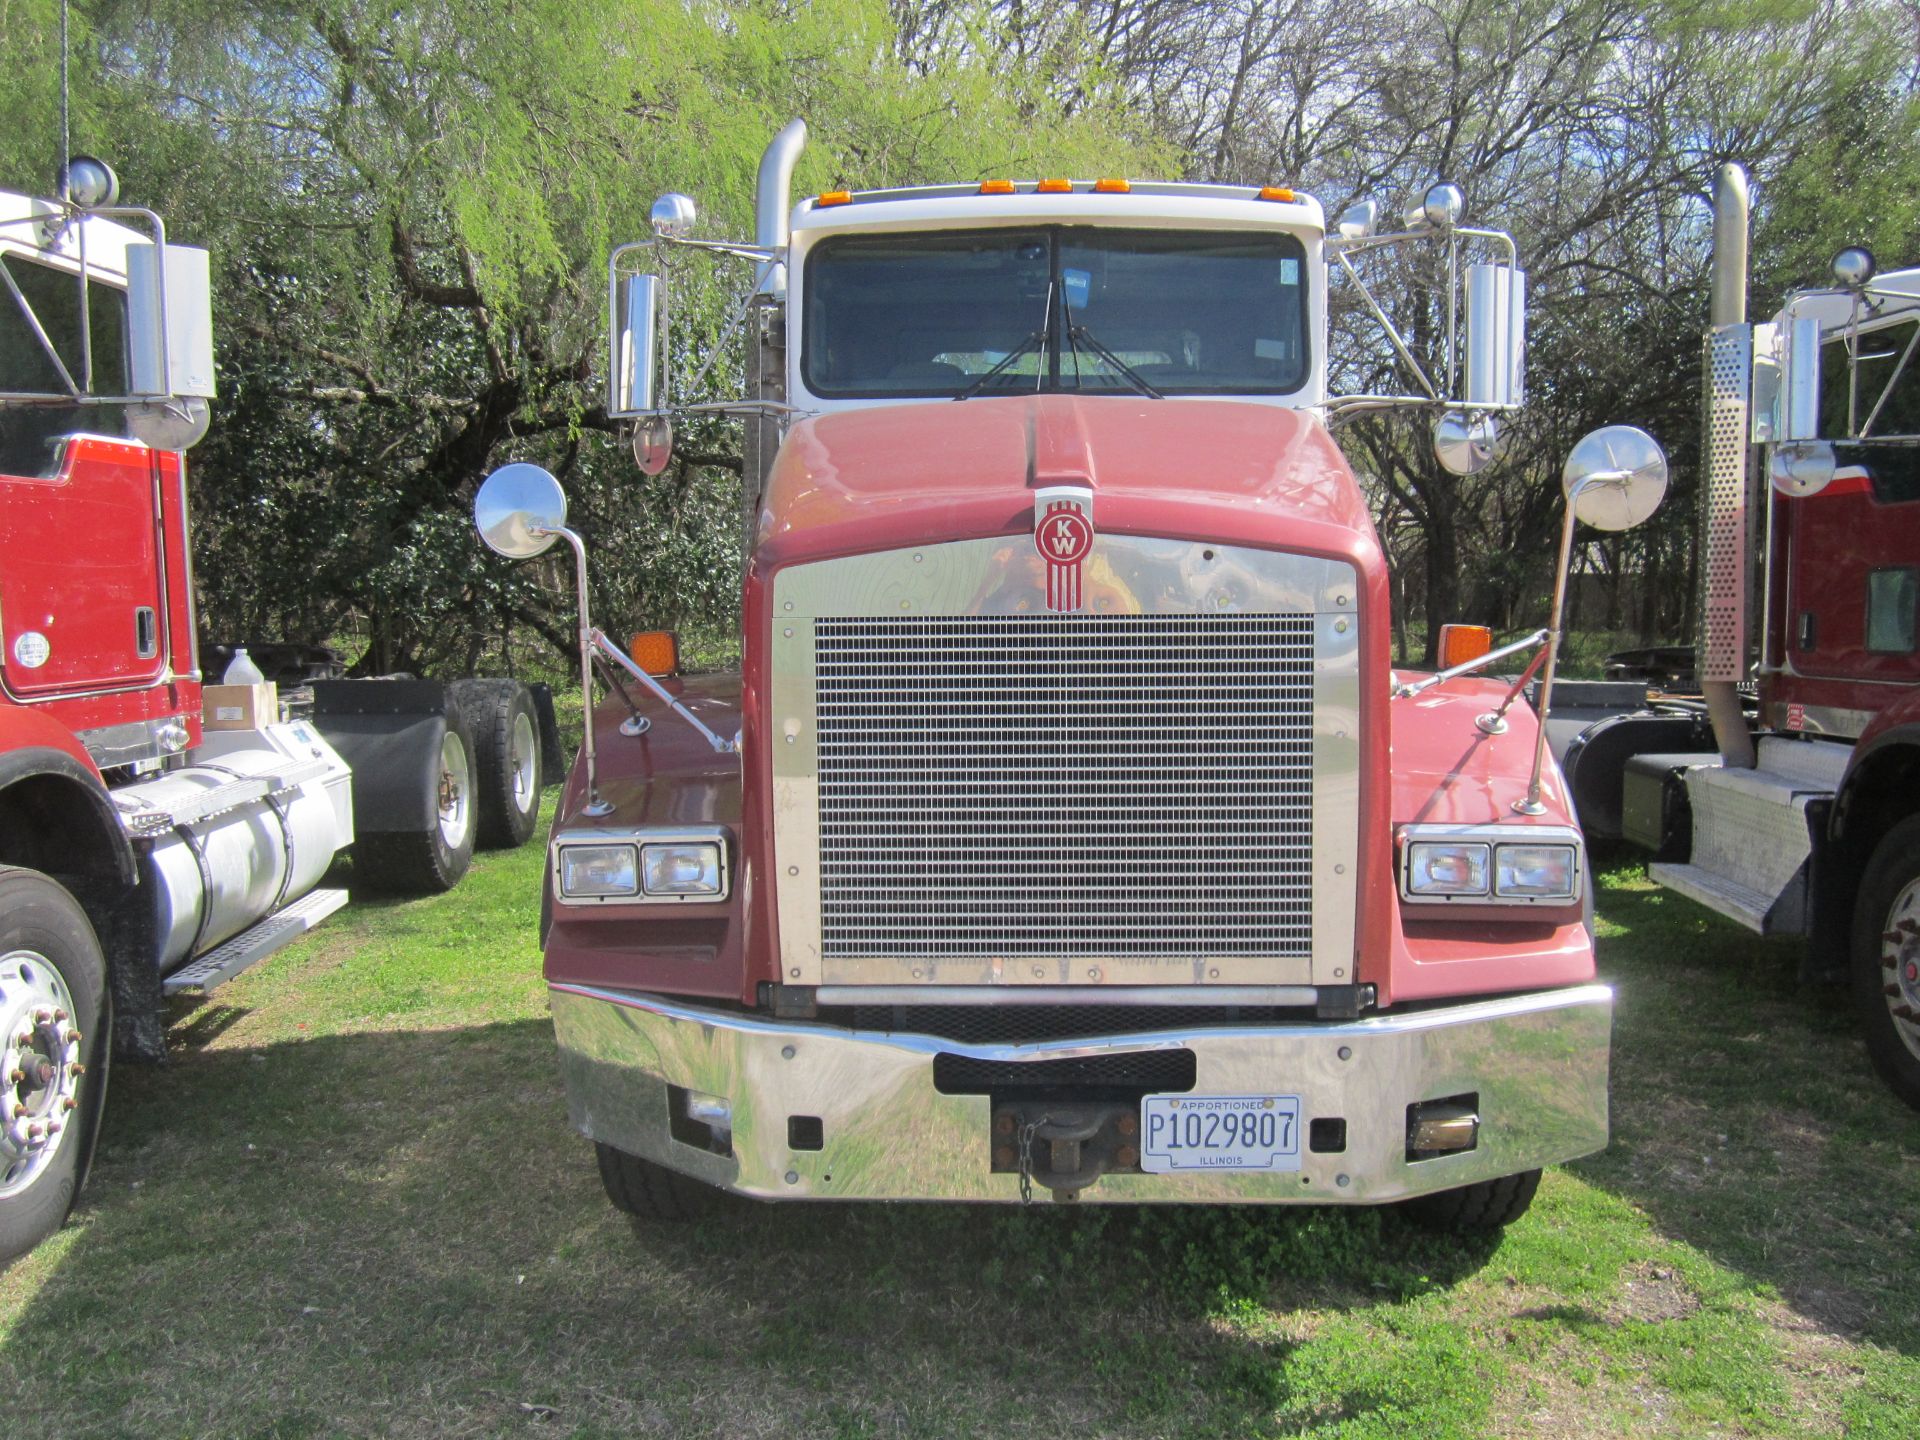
{"x": 250, "y": 825}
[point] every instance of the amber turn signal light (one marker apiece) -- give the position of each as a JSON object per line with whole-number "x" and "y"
{"x": 1461, "y": 643}
{"x": 655, "y": 651}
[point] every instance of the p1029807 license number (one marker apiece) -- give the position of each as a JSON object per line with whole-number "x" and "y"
{"x": 1219, "y": 1132}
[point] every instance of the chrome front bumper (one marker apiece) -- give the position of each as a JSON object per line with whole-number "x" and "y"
{"x": 1537, "y": 1062}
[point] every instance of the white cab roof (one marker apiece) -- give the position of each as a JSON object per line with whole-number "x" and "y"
{"x": 26, "y": 220}
{"x": 1147, "y": 203}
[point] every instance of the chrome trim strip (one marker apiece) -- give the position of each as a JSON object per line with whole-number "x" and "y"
{"x": 1538, "y": 1063}
{"x": 134, "y": 740}
{"x": 1067, "y": 995}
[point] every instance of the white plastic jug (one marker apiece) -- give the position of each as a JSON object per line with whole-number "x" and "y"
{"x": 241, "y": 670}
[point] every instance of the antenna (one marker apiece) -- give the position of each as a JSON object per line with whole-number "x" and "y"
{"x": 66, "y": 138}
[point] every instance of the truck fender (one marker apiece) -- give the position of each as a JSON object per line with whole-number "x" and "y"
{"x": 1595, "y": 761}
{"x": 389, "y": 733}
{"x": 56, "y": 815}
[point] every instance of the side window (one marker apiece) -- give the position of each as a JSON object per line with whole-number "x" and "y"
{"x": 1883, "y": 382}
{"x": 1893, "y": 598}
{"x": 30, "y": 434}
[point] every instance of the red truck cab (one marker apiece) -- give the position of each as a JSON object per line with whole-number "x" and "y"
{"x": 1067, "y": 829}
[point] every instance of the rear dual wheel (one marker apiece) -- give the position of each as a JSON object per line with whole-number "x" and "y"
{"x": 432, "y": 860}
{"x": 508, "y": 777}
{"x": 53, "y": 1053}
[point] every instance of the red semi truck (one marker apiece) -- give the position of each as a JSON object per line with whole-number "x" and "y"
{"x": 1068, "y": 829}
{"x": 1798, "y": 813}
{"x": 150, "y": 843}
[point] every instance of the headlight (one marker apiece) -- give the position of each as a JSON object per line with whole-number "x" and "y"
{"x": 1441, "y": 868}
{"x": 681, "y": 869}
{"x": 595, "y": 871}
{"x": 646, "y": 865}
{"x": 1535, "y": 872}
{"x": 1512, "y": 866}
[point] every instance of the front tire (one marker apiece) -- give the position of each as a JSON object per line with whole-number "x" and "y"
{"x": 1886, "y": 958}
{"x": 1477, "y": 1209}
{"x": 648, "y": 1191}
{"x": 53, "y": 1051}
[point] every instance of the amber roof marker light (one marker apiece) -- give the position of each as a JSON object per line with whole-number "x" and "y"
{"x": 1113, "y": 185}
{"x": 1276, "y": 192}
{"x": 996, "y": 187}
{"x": 832, "y": 197}
{"x": 1054, "y": 187}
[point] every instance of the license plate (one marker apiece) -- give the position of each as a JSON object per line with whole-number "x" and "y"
{"x": 1219, "y": 1132}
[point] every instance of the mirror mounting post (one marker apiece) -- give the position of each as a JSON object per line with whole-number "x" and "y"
{"x": 1531, "y": 804}
{"x": 1614, "y": 478}
{"x": 595, "y": 806}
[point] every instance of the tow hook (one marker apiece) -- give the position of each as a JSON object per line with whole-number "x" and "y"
{"x": 1064, "y": 1147}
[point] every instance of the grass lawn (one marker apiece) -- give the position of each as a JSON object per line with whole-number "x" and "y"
{"x": 351, "y": 1206}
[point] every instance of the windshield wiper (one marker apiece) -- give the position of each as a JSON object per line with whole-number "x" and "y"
{"x": 1079, "y": 334}
{"x": 1036, "y": 343}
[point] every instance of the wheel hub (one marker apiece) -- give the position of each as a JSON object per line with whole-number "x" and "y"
{"x": 40, "y": 1069}
{"x": 524, "y": 757}
{"x": 1900, "y": 958}
{"x": 453, "y": 790}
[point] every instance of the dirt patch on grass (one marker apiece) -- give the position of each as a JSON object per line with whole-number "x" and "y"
{"x": 1651, "y": 1293}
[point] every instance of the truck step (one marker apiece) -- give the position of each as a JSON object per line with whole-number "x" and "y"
{"x": 1739, "y": 903}
{"x": 252, "y": 945}
{"x": 1811, "y": 764}
{"x": 1750, "y": 835}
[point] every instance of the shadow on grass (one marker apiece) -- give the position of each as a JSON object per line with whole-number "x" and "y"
{"x": 396, "y": 1233}
{"x": 1747, "y": 1120}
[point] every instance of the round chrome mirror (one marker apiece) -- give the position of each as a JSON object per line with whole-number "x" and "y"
{"x": 170, "y": 424}
{"x": 1444, "y": 206}
{"x": 1466, "y": 443}
{"x": 672, "y": 215}
{"x": 653, "y": 444}
{"x": 1854, "y": 266}
{"x": 88, "y": 183}
{"x": 1357, "y": 221}
{"x": 519, "y": 511}
{"x": 1615, "y": 478}
{"x": 1803, "y": 467}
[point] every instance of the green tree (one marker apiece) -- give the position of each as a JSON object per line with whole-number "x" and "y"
{"x": 410, "y": 208}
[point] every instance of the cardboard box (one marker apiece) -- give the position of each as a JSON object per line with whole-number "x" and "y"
{"x": 240, "y": 707}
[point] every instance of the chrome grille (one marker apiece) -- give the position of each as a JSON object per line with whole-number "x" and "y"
{"x": 1078, "y": 786}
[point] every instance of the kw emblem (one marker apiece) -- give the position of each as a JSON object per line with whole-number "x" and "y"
{"x": 1063, "y": 534}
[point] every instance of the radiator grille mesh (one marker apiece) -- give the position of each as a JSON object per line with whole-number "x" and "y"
{"x": 1065, "y": 786}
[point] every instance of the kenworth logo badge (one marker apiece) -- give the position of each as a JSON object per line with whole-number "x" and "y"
{"x": 1063, "y": 534}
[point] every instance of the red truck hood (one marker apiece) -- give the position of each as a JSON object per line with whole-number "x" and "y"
{"x": 891, "y": 476}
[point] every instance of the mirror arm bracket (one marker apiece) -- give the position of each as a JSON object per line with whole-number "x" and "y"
{"x": 1467, "y": 667}
{"x": 1393, "y": 335}
{"x": 721, "y": 746}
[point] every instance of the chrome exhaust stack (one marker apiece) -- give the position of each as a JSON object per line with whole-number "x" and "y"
{"x": 773, "y": 201}
{"x": 1726, "y": 590}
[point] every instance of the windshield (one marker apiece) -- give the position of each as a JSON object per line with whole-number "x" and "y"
{"x": 998, "y": 312}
